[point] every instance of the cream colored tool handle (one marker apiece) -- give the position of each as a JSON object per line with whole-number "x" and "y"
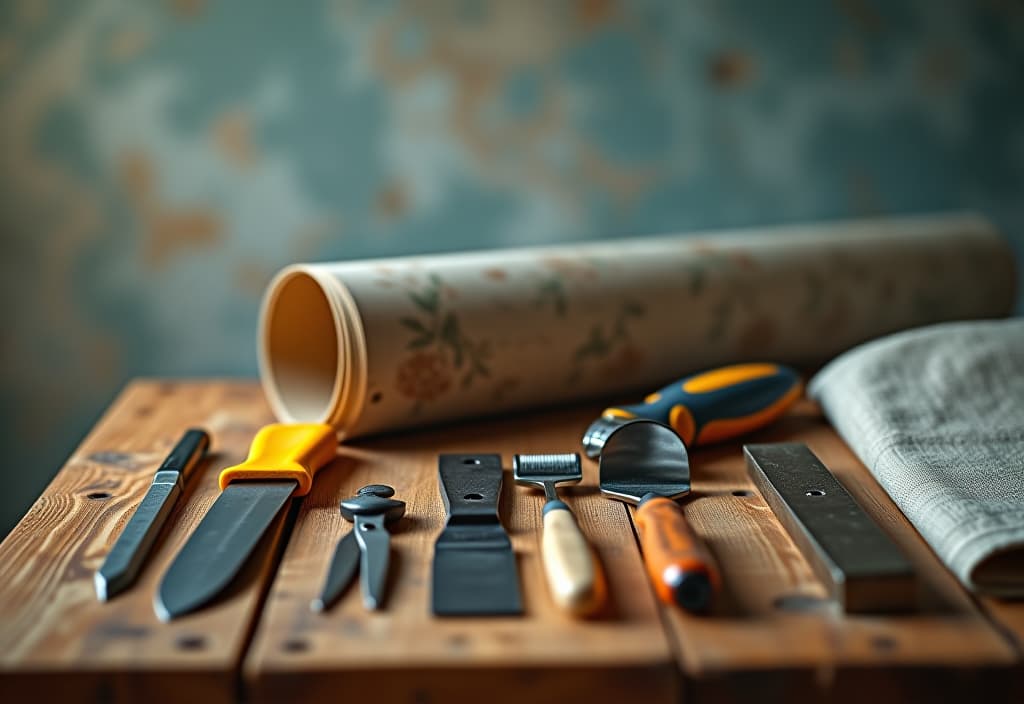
{"x": 574, "y": 574}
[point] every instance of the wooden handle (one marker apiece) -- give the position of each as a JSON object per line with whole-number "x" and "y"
{"x": 574, "y": 574}
{"x": 681, "y": 570}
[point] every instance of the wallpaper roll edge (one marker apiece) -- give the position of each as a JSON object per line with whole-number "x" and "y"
{"x": 341, "y": 340}
{"x": 312, "y": 354}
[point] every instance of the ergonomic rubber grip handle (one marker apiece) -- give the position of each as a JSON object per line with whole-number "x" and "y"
{"x": 574, "y": 575}
{"x": 721, "y": 403}
{"x": 680, "y": 568}
{"x": 286, "y": 451}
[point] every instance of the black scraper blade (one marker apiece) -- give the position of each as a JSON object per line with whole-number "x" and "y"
{"x": 474, "y": 565}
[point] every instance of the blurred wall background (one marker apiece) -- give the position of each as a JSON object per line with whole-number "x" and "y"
{"x": 160, "y": 160}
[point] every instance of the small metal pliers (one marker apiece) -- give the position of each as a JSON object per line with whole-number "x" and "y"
{"x": 366, "y": 547}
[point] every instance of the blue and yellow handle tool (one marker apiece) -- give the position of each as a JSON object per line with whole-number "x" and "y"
{"x": 708, "y": 407}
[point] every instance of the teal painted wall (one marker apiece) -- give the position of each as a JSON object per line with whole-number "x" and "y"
{"x": 159, "y": 161}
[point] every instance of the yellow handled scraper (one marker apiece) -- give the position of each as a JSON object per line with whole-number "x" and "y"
{"x": 282, "y": 462}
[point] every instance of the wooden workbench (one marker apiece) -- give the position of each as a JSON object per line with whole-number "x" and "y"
{"x": 772, "y": 637}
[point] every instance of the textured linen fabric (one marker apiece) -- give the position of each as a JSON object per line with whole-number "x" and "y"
{"x": 937, "y": 415}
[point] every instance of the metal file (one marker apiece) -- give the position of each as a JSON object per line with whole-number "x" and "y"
{"x": 123, "y": 563}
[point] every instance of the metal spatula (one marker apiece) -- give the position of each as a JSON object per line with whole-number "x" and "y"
{"x": 474, "y": 564}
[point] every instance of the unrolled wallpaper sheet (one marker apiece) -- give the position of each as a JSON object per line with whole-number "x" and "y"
{"x": 435, "y": 338}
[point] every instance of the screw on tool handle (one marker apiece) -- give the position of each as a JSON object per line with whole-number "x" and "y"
{"x": 680, "y": 568}
{"x": 470, "y": 487}
{"x": 574, "y": 574}
{"x": 186, "y": 455}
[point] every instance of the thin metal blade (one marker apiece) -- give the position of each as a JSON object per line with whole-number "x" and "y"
{"x": 339, "y": 576}
{"x": 219, "y": 547}
{"x": 122, "y": 564}
{"x": 476, "y": 582}
{"x": 644, "y": 457}
{"x": 375, "y": 546}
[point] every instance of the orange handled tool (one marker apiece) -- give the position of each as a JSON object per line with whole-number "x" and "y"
{"x": 679, "y": 567}
{"x": 644, "y": 462}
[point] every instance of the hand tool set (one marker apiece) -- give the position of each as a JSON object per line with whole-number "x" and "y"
{"x": 643, "y": 459}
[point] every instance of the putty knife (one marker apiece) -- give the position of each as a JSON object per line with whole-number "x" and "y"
{"x": 474, "y": 564}
{"x": 645, "y": 463}
{"x": 282, "y": 462}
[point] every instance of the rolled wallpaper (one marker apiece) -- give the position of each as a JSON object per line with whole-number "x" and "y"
{"x": 379, "y": 345}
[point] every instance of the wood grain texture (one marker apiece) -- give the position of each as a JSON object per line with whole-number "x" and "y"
{"x": 775, "y": 635}
{"x": 406, "y": 654}
{"x": 56, "y": 639}
{"x": 772, "y": 636}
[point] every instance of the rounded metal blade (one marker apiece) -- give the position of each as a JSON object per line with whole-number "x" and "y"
{"x": 644, "y": 457}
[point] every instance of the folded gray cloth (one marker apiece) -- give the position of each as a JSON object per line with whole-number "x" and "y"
{"x": 937, "y": 415}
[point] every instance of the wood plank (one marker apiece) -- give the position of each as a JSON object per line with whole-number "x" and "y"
{"x": 772, "y": 636}
{"x": 57, "y": 640}
{"x": 406, "y": 654}
{"x": 775, "y": 634}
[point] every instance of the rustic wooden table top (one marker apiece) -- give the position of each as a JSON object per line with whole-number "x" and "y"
{"x": 772, "y": 637}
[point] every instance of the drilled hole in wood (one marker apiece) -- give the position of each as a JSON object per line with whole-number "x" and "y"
{"x": 191, "y": 643}
{"x": 884, "y": 644}
{"x": 296, "y": 645}
{"x": 458, "y": 641}
{"x": 473, "y": 497}
{"x": 742, "y": 492}
{"x": 98, "y": 495}
{"x": 815, "y": 492}
{"x": 798, "y": 602}
{"x": 376, "y": 397}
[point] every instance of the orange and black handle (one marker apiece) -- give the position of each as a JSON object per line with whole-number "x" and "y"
{"x": 719, "y": 404}
{"x": 680, "y": 567}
